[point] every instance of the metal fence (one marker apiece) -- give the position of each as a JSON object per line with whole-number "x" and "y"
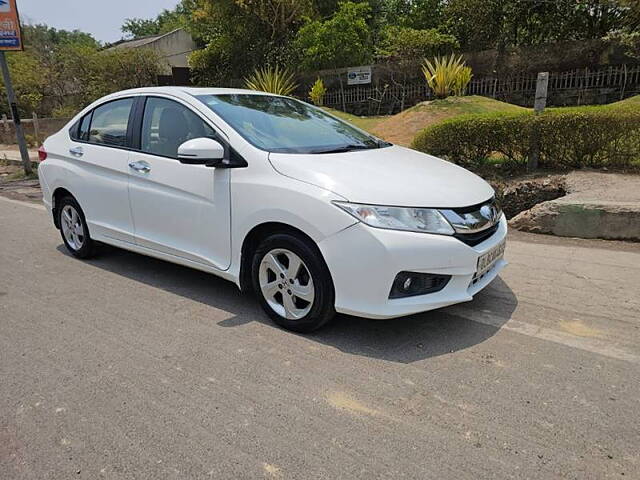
{"x": 575, "y": 87}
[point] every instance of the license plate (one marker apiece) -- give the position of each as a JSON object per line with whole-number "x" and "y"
{"x": 488, "y": 260}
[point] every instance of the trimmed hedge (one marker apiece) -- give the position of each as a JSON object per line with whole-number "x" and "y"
{"x": 569, "y": 138}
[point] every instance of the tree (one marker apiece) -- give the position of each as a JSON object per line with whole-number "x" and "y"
{"x": 483, "y": 24}
{"x": 477, "y": 24}
{"x": 69, "y": 70}
{"x": 35, "y": 71}
{"x": 410, "y": 45}
{"x": 239, "y": 36}
{"x": 342, "y": 40}
{"x": 417, "y": 14}
{"x": 165, "y": 22}
{"x": 28, "y": 82}
{"x": 82, "y": 74}
{"x": 278, "y": 16}
{"x": 140, "y": 27}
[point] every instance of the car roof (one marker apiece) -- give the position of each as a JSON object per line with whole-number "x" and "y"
{"x": 178, "y": 91}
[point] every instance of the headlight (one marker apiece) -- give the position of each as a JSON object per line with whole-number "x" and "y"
{"x": 423, "y": 220}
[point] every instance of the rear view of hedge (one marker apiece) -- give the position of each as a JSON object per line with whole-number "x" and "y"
{"x": 569, "y": 138}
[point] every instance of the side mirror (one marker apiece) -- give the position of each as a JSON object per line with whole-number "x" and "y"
{"x": 201, "y": 151}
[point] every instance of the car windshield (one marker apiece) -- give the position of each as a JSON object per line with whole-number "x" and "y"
{"x": 281, "y": 124}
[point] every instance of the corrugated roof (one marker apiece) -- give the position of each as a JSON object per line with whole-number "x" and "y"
{"x": 139, "y": 42}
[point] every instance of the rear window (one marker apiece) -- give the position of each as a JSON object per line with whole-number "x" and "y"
{"x": 109, "y": 123}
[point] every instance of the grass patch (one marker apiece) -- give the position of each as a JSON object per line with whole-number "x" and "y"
{"x": 367, "y": 124}
{"x": 403, "y": 127}
{"x": 628, "y": 102}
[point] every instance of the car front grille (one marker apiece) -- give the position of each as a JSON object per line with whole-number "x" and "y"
{"x": 473, "y": 239}
{"x": 476, "y": 223}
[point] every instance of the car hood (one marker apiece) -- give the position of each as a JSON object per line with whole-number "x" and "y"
{"x": 387, "y": 176}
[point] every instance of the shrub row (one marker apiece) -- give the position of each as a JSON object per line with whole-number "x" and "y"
{"x": 568, "y": 138}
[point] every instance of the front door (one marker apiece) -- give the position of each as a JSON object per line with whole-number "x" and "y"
{"x": 181, "y": 210}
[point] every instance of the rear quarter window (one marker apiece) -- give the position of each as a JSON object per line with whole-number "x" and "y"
{"x": 109, "y": 122}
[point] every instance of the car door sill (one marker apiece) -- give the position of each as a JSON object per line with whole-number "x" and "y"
{"x": 167, "y": 257}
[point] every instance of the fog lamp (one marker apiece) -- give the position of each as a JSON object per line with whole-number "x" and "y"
{"x": 410, "y": 284}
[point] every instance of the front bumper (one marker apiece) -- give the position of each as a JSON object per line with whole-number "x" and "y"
{"x": 363, "y": 262}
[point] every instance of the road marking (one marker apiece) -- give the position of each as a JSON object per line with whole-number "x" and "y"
{"x": 35, "y": 206}
{"x": 592, "y": 345}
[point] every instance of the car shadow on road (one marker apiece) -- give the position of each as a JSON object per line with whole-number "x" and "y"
{"x": 404, "y": 340}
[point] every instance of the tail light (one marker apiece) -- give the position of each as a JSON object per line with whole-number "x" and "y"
{"x": 42, "y": 154}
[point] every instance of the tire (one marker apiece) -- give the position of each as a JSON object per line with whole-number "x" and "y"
{"x": 276, "y": 283}
{"x": 73, "y": 228}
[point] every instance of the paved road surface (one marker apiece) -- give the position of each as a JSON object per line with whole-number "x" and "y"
{"x": 129, "y": 367}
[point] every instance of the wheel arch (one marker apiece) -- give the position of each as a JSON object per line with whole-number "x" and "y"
{"x": 252, "y": 240}
{"x": 58, "y": 194}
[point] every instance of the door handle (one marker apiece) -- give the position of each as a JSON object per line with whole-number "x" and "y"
{"x": 76, "y": 151}
{"x": 140, "y": 166}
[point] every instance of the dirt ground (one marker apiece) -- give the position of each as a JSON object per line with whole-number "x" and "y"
{"x": 13, "y": 185}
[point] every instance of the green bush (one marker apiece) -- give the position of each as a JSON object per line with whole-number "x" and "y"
{"x": 568, "y": 138}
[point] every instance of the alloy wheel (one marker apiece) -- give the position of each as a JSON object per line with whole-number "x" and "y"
{"x": 286, "y": 284}
{"x": 72, "y": 228}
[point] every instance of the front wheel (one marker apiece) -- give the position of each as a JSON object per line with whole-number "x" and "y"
{"x": 293, "y": 283}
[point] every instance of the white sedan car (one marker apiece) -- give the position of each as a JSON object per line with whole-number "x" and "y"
{"x": 312, "y": 214}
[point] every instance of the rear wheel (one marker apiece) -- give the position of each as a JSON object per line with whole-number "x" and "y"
{"x": 73, "y": 228}
{"x": 293, "y": 283}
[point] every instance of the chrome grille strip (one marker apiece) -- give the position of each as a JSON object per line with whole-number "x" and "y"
{"x": 467, "y": 222}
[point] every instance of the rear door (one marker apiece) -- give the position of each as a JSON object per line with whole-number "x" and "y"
{"x": 98, "y": 153}
{"x": 182, "y": 210}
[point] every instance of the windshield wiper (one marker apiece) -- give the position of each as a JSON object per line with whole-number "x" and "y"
{"x": 345, "y": 148}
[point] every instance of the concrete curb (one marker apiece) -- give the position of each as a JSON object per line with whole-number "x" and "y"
{"x": 569, "y": 218}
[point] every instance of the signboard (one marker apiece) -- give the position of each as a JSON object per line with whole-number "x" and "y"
{"x": 10, "y": 38}
{"x": 358, "y": 75}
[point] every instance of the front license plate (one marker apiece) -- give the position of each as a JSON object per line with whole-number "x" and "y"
{"x": 488, "y": 260}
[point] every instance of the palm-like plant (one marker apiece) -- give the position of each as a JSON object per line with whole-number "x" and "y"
{"x": 463, "y": 77}
{"x": 317, "y": 92}
{"x": 447, "y": 75}
{"x": 272, "y": 80}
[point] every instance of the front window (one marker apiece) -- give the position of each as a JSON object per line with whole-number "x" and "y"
{"x": 280, "y": 124}
{"x": 167, "y": 124}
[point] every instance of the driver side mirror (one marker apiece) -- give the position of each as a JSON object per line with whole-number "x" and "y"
{"x": 201, "y": 151}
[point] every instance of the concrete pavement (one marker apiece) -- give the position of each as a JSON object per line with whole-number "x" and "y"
{"x": 129, "y": 367}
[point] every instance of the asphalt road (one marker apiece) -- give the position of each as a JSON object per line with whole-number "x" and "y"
{"x": 129, "y": 367}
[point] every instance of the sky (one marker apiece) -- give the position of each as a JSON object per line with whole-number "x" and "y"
{"x": 101, "y": 18}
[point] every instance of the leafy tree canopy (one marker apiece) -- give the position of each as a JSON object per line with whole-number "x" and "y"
{"x": 342, "y": 40}
{"x": 410, "y": 44}
{"x": 165, "y": 22}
